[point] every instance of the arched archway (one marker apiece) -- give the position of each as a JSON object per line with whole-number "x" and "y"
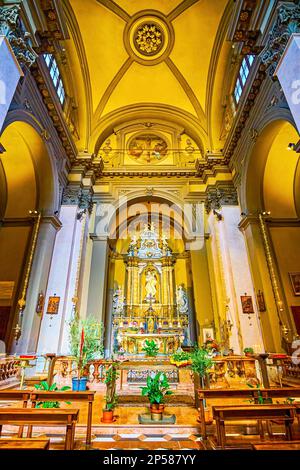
{"x": 271, "y": 185}
{"x": 27, "y": 182}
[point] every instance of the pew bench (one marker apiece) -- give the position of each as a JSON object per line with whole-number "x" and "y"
{"x": 24, "y": 444}
{"x": 16, "y": 395}
{"x": 277, "y": 445}
{"x": 68, "y": 396}
{"x": 246, "y": 394}
{"x": 42, "y": 417}
{"x": 258, "y": 413}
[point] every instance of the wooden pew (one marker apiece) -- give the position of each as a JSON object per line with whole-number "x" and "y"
{"x": 277, "y": 445}
{"x": 258, "y": 413}
{"x": 16, "y": 395}
{"x": 68, "y": 396}
{"x": 42, "y": 417}
{"x": 249, "y": 393}
{"x": 24, "y": 444}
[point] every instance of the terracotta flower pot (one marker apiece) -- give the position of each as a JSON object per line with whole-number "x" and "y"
{"x": 108, "y": 416}
{"x": 157, "y": 411}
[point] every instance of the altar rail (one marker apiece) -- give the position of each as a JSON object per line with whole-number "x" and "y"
{"x": 9, "y": 371}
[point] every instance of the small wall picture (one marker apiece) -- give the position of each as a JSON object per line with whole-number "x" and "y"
{"x": 295, "y": 281}
{"x": 53, "y": 305}
{"x": 261, "y": 301}
{"x": 40, "y": 303}
{"x": 247, "y": 304}
{"x": 208, "y": 333}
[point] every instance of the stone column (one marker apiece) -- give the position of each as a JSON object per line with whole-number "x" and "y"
{"x": 271, "y": 328}
{"x": 98, "y": 277}
{"x": 37, "y": 285}
{"x": 232, "y": 275}
{"x": 65, "y": 268}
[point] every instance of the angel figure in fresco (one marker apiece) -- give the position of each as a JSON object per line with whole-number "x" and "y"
{"x": 151, "y": 283}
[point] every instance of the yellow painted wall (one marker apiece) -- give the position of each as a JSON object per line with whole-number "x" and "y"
{"x": 286, "y": 243}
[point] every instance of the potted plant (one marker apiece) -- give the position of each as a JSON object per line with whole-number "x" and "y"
{"x": 44, "y": 386}
{"x": 181, "y": 359}
{"x": 156, "y": 390}
{"x": 86, "y": 344}
{"x": 150, "y": 348}
{"x": 111, "y": 397}
{"x": 201, "y": 363}
{"x": 248, "y": 351}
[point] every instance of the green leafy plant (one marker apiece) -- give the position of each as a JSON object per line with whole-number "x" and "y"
{"x": 201, "y": 363}
{"x": 248, "y": 351}
{"x": 150, "y": 349}
{"x": 261, "y": 400}
{"x": 44, "y": 386}
{"x": 111, "y": 397}
{"x": 157, "y": 388}
{"x": 86, "y": 341}
{"x": 181, "y": 356}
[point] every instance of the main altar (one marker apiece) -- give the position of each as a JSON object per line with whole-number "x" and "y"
{"x": 149, "y": 306}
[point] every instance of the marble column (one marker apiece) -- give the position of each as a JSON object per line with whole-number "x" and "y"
{"x": 271, "y": 329}
{"x": 98, "y": 278}
{"x": 37, "y": 285}
{"x": 62, "y": 282}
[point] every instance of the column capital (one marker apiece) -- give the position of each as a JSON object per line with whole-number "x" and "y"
{"x": 53, "y": 220}
{"x": 248, "y": 220}
{"x": 219, "y": 196}
{"x": 75, "y": 195}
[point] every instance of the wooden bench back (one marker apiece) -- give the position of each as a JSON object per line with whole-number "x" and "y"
{"x": 62, "y": 396}
{"x": 34, "y": 416}
{"x": 262, "y": 412}
{"x": 14, "y": 395}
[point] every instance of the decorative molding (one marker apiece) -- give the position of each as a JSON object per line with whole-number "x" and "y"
{"x": 116, "y": 9}
{"x": 183, "y": 6}
{"x": 71, "y": 196}
{"x": 19, "y": 39}
{"x": 287, "y": 23}
{"x": 218, "y": 196}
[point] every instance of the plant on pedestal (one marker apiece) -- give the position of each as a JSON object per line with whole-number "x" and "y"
{"x": 249, "y": 351}
{"x": 111, "y": 397}
{"x": 150, "y": 348}
{"x": 86, "y": 344}
{"x": 156, "y": 390}
{"x": 201, "y": 363}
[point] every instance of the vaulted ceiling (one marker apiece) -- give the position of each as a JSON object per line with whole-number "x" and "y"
{"x": 119, "y": 71}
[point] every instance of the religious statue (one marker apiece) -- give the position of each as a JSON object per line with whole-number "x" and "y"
{"x": 118, "y": 301}
{"x": 150, "y": 286}
{"x": 132, "y": 246}
{"x": 182, "y": 300}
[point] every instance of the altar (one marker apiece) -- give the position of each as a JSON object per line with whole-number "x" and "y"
{"x": 149, "y": 306}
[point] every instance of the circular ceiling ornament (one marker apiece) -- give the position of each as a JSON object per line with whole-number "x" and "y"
{"x": 149, "y": 37}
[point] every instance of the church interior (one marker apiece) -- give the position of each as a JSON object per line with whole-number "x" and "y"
{"x": 149, "y": 225}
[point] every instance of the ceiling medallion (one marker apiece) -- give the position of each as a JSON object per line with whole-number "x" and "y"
{"x": 149, "y": 37}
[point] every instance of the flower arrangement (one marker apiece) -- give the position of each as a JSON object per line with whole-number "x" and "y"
{"x": 150, "y": 348}
{"x": 181, "y": 359}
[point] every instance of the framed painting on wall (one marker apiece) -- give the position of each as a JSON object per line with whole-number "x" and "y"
{"x": 208, "y": 333}
{"x": 53, "y": 305}
{"x": 261, "y": 301}
{"x": 295, "y": 281}
{"x": 247, "y": 304}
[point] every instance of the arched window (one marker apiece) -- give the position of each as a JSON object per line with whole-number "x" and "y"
{"x": 243, "y": 76}
{"x": 56, "y": 77}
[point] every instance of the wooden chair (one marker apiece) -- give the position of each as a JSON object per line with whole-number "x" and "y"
{"x": 67, "y": 396}
{"x": 42, "y": 417}
{"x": 258, "y": 413}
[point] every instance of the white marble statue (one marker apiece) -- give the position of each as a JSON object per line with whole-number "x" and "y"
{"x": 118, "y": 301}
{"x": 151, "y": 283}
{"x": 182, "y": 300}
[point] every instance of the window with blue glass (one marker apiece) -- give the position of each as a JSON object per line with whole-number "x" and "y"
{"x": 56, "y": 77}
{"x": 243, "y": 76}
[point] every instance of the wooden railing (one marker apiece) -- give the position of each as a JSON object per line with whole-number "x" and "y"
{"x": 9, "y": 371}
